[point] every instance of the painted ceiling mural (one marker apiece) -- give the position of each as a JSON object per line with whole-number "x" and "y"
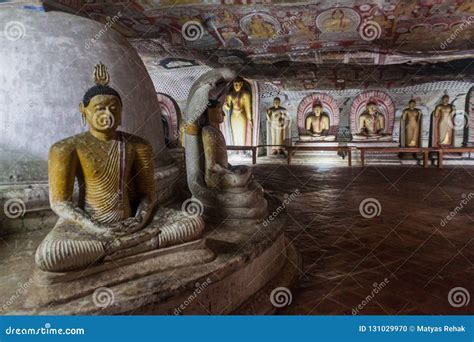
{"x": 236, "y": 32}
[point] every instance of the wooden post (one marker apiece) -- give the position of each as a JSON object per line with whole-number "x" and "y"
{"x": 362, "y": 157}
{"x": 425, "y": 158}
{"x": 440, "y": 159}
{"x": 289, "y": 151}
{"x": 254, "y": 155}
{"x": 349, "y": 156}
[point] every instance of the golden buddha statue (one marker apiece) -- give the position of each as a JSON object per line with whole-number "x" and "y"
{"x": 371, "y": 124}
{"x": 279, "y": 121}
{"x": 442, "y": 124}
{"x": 410, "y": 126}
{"x": 218, "y": 172}
{"x": 115, "y": 215}
{"x": 317, "y": 125}
{"x": 238, "y": 108}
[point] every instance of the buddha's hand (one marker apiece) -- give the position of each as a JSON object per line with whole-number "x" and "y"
{"x": 127, "y": 226}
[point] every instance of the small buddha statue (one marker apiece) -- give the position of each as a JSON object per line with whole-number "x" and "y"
{"x": 442, "y": 124}
{"x": 115, "y": 215}
{"x": 410, "y": 126}
{"x": 238, "y": 109}
{"x": 317, "y": 125}
{"x": 371, "y": 124}
{"x": 279, "y": 121}
{"x": 229, "y": 194}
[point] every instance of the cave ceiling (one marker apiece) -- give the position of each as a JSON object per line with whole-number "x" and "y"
{"x": 324, "y": 43}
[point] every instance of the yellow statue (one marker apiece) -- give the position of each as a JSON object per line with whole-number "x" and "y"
{"x": 259, "y": 28}
{"x": 442, "y": 123}
{"x": 115, "y": 215}
{"x": 279, "y": 121}
{"x": 238, "y": 108}
{"x": 317, "y": 125}
{"x": 371, "y": 124}
{"x": 410, "y": 126}
{"x": 219, "y": 174}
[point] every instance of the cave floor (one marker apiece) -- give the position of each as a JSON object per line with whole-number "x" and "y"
{"x": 404, "y": 261}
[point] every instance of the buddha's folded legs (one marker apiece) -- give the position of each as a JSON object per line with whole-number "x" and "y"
{"x": 67, "y": 247}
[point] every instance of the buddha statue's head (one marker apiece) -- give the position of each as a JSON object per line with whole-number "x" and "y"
{"x": 238, "y": 84}
{"x": 372, "y": 107}
{"x": 213, "y": 116}
{"x": 276, "y": 102}
{"x": 411, "y": 104}
{"x": 317, "y": 108}
{"x": 101, "y": 105}
{"x": 445, "y": 99}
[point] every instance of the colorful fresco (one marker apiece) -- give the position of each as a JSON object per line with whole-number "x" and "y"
{"x": 322, "y": 32}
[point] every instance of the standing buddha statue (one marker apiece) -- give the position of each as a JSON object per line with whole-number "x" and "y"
{"x": 410, "y": 126}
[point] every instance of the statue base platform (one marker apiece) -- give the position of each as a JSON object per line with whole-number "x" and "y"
{"x": 232, "y": 269}
{"x": 310, "y": 138}
{"x": 317, "y": 143}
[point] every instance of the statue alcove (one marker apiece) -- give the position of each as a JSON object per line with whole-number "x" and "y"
{"x": 330, "y": 109}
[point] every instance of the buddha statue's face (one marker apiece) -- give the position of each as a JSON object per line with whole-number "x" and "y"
{"x": 216, "y": 115}
{"x": 372, "y": 108}
{"x": 411, "y": 104}
{"x": 238, "y": 85}
{"x": 103, "y": 113}
{"x": 317, "y": 110}
{"x": 445, "y": 99}
{"x": 276, "y": 103}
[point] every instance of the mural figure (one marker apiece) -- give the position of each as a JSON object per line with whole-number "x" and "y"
{"x": 259, "y": 28}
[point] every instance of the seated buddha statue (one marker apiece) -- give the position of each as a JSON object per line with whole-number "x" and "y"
{"x": 317, "y": 125}
{"x": 116, "y": 213}
{"x": 228, "y": 193}
{"x": 371, "y": 124}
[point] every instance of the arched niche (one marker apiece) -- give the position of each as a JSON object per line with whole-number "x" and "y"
{"x": 385, "y": 106}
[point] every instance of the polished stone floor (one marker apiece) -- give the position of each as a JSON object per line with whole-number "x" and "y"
{"x": 406, "y": 260}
